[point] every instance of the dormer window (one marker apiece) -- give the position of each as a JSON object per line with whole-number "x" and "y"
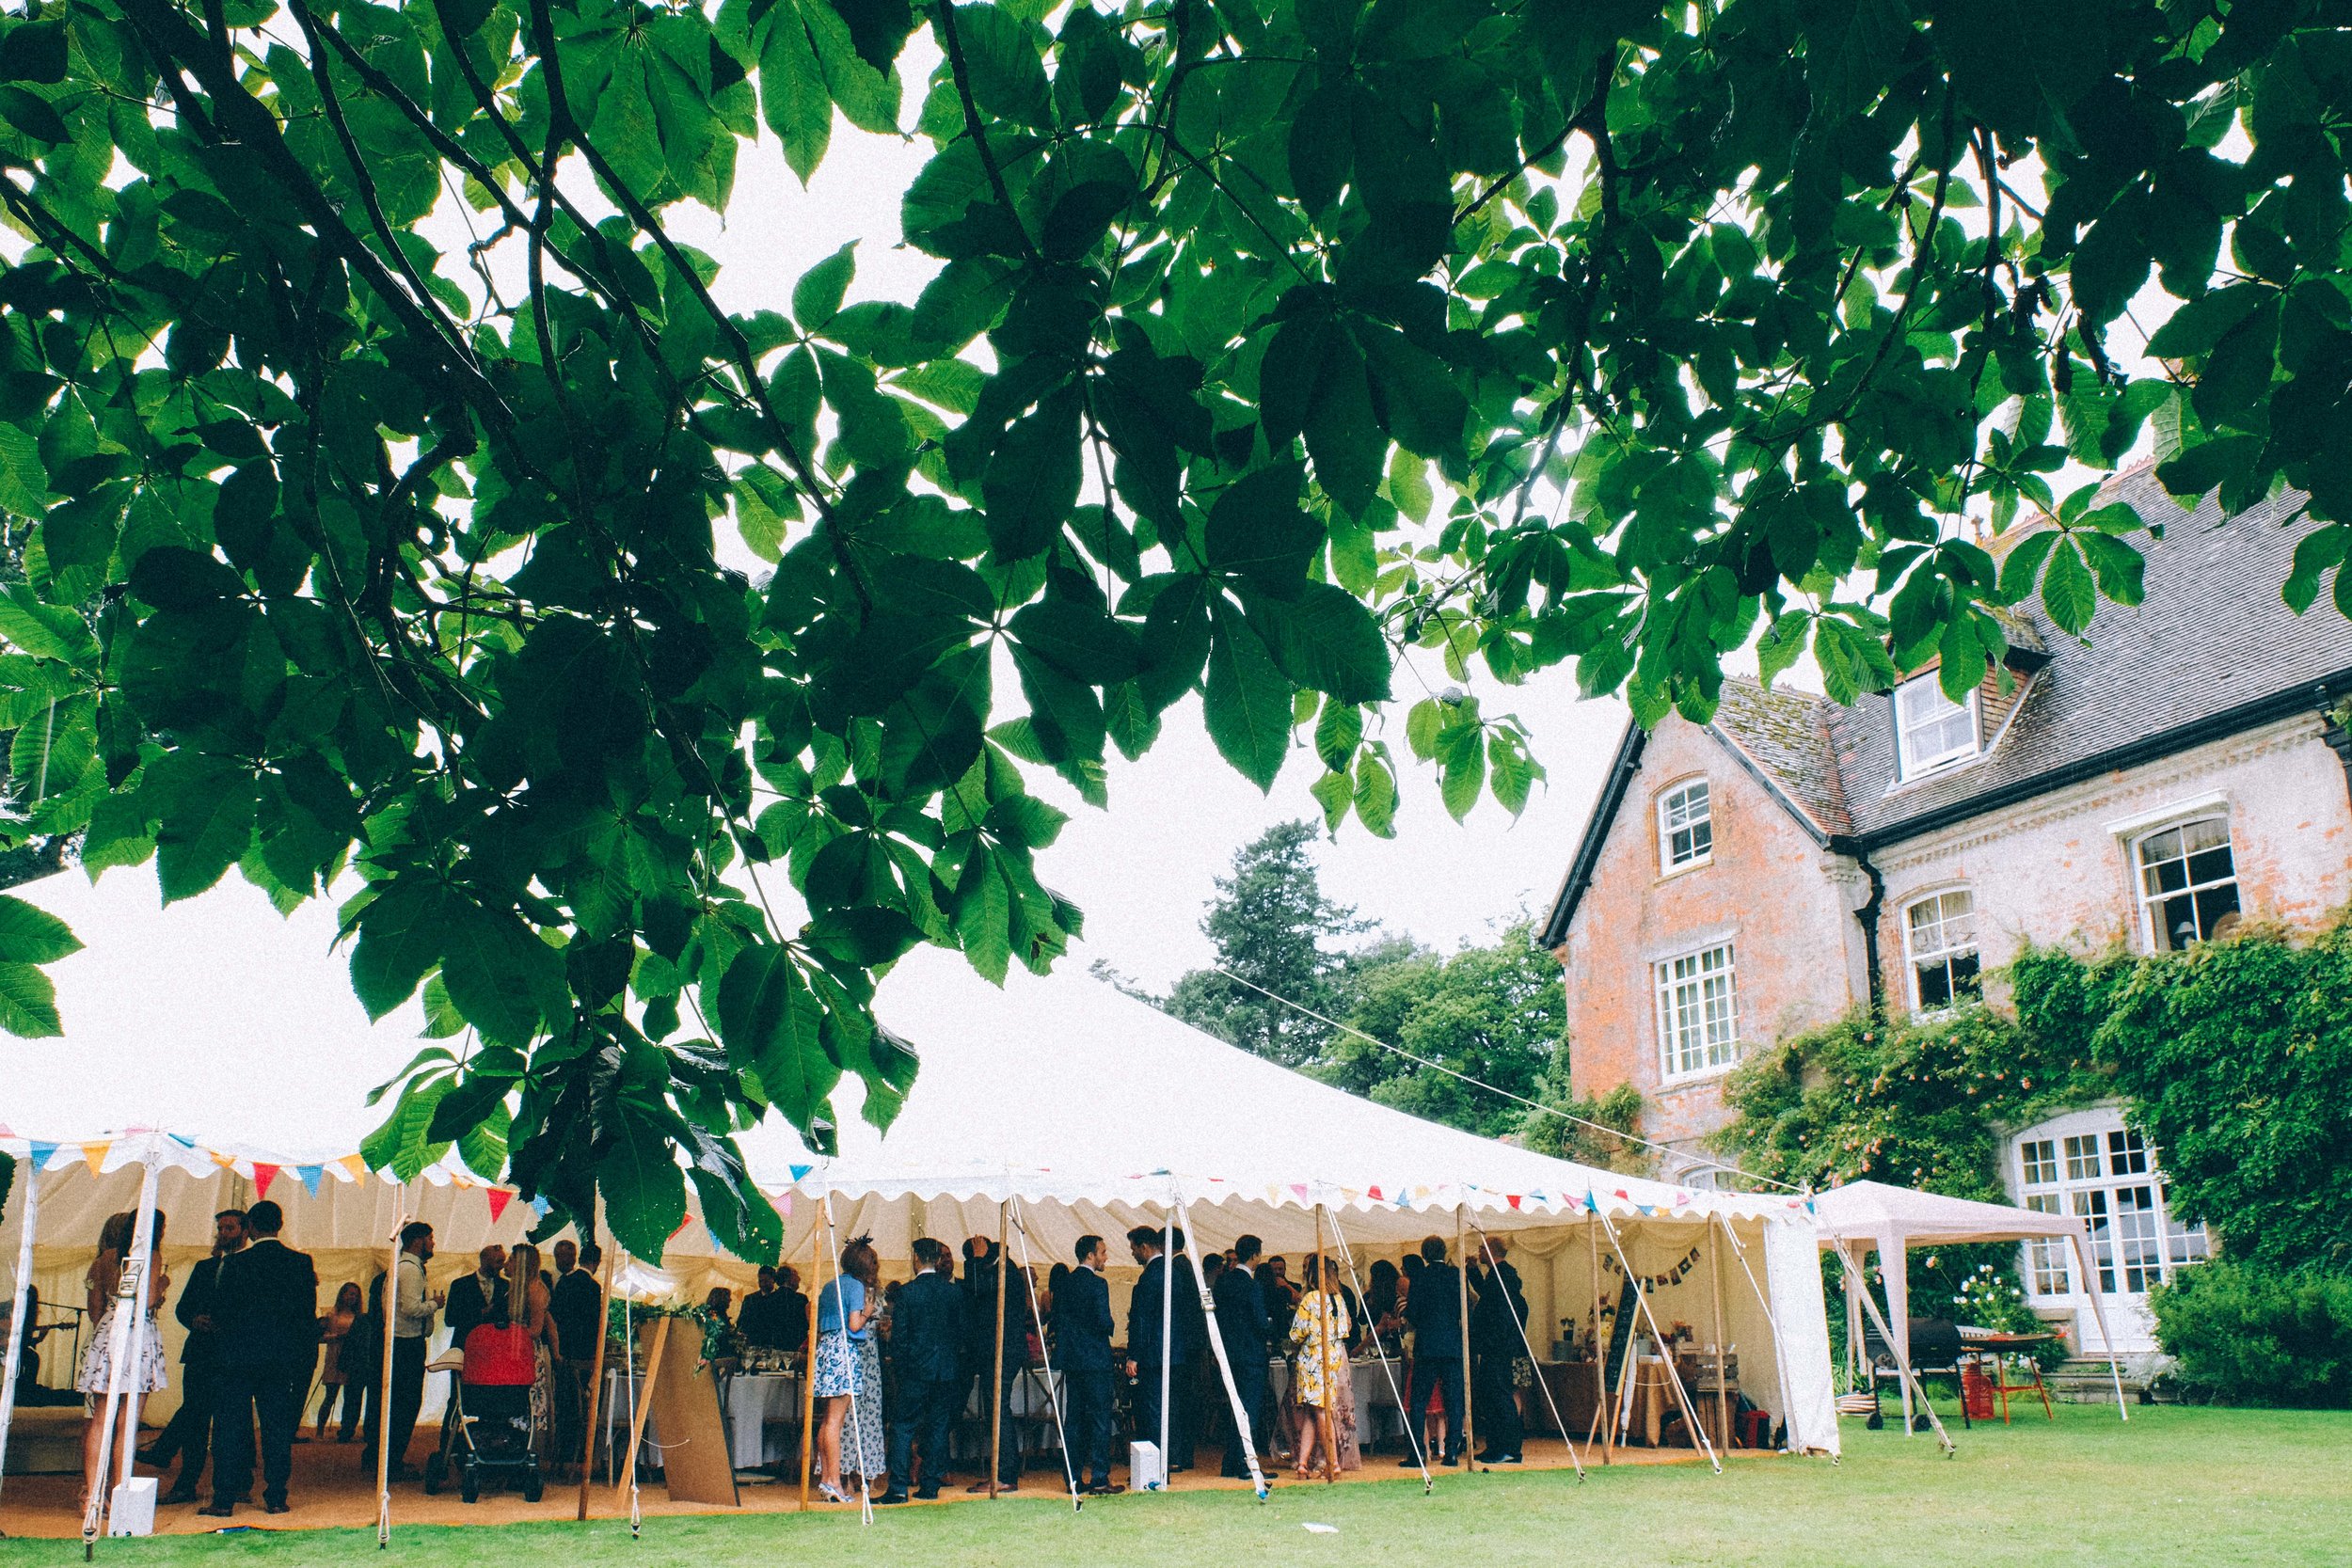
{"x": 1931, "y": 729}
{"x": 1686, "y": 827}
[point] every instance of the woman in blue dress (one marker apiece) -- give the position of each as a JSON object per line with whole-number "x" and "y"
{"x": 848, "y": 1370}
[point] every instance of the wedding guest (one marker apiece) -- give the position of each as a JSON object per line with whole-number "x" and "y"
{"x": 1323, "y": 1394}
{"x": 845, "y": 1308}
{"x": 1432, "y": 1309}
{"x": 413, "y": 1306}
{"x": 335, "y": 1328}
{"x": 143, "y": 1375}
{"x": 575, "y": 1303}
{"x": 927, "y": 1342}
{"x": 1248, "y": 1334}
{"x": 265, "y": 1309}
{"x": 1082, "y": 1348}
{"x": 189, "y": 1433}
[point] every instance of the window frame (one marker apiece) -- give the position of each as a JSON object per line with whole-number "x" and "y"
{"x": 2094, "y": 1166}
{"x": 1947, "y": 955}
{"x": 1671, "y": 1014}
{"x": 2150, "y": 933}
{"x": 1908, "y": 766}
{"x": 1679, "y": 790}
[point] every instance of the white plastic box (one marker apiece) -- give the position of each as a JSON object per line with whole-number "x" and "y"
{"x": 131, "y": 1509}
{"x": 1145, "y": 1471}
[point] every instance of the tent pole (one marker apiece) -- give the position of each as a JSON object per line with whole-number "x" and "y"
{"x": 1902, "y": 1361}
{"x": 1467, "y": 1435}
{"x": 1666, "y": 1353}
{"x": 1325, "y": 1420}
{"x": 1053, "y": 1397}
{"x": 595, "y": 1375}
{"x": 1225, "y": 1370}
{"x": 644, "y": 1407}
{"x": 1771, "y": 1320}
{"x": 1412, "y": 1438}
{"x": 1167, "y": 1331}
{"x": 2090, "y": 1279}
{"x": 997, "y": 1379}
{"x": 808, "y": 1369}
{"x": 1723, "y": 1347}
{"x": 391, "y": 1305}
{"x": 1600, "y": 1345}
{"x": 123, "y": 1345}
{"x": 17, "y": 1313}
{"x": 1557, "y": 1420}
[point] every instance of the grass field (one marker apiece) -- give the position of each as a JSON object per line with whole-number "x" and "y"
{"x": 2207, "y": 1487}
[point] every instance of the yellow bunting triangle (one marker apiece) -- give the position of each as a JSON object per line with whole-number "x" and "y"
{"x": 94, "y": 1155}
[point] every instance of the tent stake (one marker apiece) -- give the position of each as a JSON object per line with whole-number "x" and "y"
{"x": 17, "y": 1313}
{"x": 595, "y": 1375}
{"x": 996, "y": 1381}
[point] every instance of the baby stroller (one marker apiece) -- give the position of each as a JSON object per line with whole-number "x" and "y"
{"x": 491, "y": 1427}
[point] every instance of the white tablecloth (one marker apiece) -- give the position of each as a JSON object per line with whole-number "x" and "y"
{"x": 763, "y": 1417}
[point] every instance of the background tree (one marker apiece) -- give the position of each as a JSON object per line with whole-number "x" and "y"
{"x": 1272, "y": 926}
{"x": 1712, "y": 323}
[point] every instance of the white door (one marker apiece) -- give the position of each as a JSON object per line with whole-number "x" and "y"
{"x": 2088, "y": 1163}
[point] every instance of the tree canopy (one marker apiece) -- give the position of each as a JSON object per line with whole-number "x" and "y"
{"x": 1271, "y": 337}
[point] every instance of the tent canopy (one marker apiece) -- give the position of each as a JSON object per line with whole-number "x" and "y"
{"x": 1865, "y": 1211}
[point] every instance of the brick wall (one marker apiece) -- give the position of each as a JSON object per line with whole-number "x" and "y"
{"x": 1767, "y": 887}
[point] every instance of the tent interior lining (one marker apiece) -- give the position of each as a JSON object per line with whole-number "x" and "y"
{"x": 347, "y": 1225}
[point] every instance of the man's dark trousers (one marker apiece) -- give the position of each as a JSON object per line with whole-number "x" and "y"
{"x": 272, "y": 1394}
{"x": 407, "y": 1399}
{"x": 926, "y": 1412}
{"x": 1498, "y": 1410}
{"x": 1180, "y": 1416}
{"x": 1090, "y": 1425}
{"x": 1008, "y": 1432}
{"x": 1443, "y": 1373}
{"x": 190, "y": 1431}
{"x": 1251, "y": 1388}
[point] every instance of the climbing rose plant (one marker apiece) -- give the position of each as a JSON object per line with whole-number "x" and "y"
{"x": 1271, "y": 337}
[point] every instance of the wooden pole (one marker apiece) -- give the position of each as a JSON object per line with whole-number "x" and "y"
{"x": 596, "y": 1378}
{"x": 1326, "y": 1417}
{"x": 996, "y": 1377}
{"x": 1601, "y": 1349}
{"x": 1723, "y": 1347}
{"x": 644, "y": 1404}
{"x": 384, "y": 1387}
{"x": 1465, "y": 1436}
{"x": 808, "y": 1369}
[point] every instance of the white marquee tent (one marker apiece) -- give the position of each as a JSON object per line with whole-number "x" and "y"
{"x": 1073, "y": 1105}
{"x": 1861, "y": 1216}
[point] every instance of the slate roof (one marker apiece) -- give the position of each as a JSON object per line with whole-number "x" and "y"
{"x": 2211, "y": 650}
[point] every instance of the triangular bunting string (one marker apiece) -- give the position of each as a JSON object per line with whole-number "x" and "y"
{"x": 499, "y": 1197}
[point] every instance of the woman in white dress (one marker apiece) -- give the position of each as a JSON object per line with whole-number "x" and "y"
{"x": 145, "y": 1375}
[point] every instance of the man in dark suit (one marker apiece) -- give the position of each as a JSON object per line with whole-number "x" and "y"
{"x": 1082, "y": 1343}
{"x": 190, "y": 1434}
{"x": 478, "y": 1297}
{"x": 1435, "y": 1311}
{"x": 1243, "y": 1324}
{"x": 575, "y": 1302}
{"x": 927, "y": 1342}
{"x": 1145, "y": 1352}
{"x": 265, "y": 1310}
{"x": 1498, "y": 1321}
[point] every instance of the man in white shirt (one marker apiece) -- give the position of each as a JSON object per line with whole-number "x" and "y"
{"x": 413, "y": 1308}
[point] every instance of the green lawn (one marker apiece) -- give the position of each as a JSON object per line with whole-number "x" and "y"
{"x": 2202, "y": 1486}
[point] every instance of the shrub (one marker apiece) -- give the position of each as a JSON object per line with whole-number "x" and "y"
{"x": 2246, "y": 1334}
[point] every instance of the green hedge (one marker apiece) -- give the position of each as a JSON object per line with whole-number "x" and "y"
{"x": 2246, "y": 1334}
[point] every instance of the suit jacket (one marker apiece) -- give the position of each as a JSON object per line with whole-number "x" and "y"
{"x": 1082, "y": 1323}
{"x": 572, "y": 1303}
{"x": 1143, "y": 1315}
{"x": 1241, "y": 1318}
{"x": 197, "y": 1300}
{"x": 265, "y": 1306}
{"x": 926, "y": 1329}
{"x": 1498, "y": 1313}
{"x": 1434, "y": 1310}
{"x": 469, "y": 1306}
{"x": 979, "y": 1318}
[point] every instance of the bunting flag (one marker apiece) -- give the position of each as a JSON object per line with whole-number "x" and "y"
{"x": 1512, "y": 1198}
{"x": 540, "y": 1206}
{"x": 94, "y": 1155}
{"x": 784, "y": 1207}
{"x": 225, "y": 1161}
{"x": 354, "y": 1167}
{"x": 1373, "y": 1194}
{"x": 499, "y": 1197}
{"x": 42, "y": 1153}
{"x": 311, "y": 1176}
{"x": 800, "y": 1171}
{"x": 263, "y": 1173}
{"x": 1300, "y": 1188}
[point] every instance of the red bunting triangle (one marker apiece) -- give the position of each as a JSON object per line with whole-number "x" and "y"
{"x": 499, "y": 1197}
{"x": 263, "y": 1176}
{"x": 1514, "y": 1198}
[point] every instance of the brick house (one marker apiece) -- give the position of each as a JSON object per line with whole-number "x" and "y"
{"x": 2171, "y": 775}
